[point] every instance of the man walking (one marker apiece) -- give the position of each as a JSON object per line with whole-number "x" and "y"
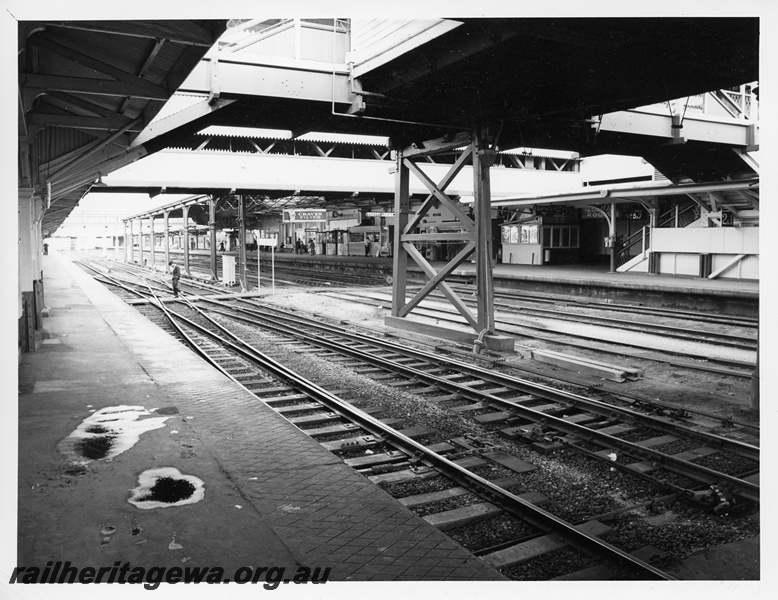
{"x": 176, "y": 272}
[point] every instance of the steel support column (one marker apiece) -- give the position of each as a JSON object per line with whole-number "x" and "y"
{"x": 185, "y": 226}
{"x": 475, "y": 235}
{"x": 140, "y": 249}
{"x": 166, "y": 220}
{"x": 212, "y": 230}
{"x": 244, "y": 286}
{"x": 127, "y": 245}
{"x": 483, "y": 158}
{"x": 152, "y": 260}
{"x": 612, "y": 234}
{"x": 653, "y": 216}
{"x": 402, "y": 206}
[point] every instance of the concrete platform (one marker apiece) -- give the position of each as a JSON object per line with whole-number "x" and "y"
{"x": 273, "y": 496}
{"x": 728, "y": 296}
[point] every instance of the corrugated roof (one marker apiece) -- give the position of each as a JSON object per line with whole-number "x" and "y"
{"x": 285, "y": 134}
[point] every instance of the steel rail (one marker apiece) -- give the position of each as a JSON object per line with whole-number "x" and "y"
{"x": 527, "y": 511}
{"x": 443, "y": 314}
{"x": 522, "y": 385}
{"x": 696, "y": 472}
{"x": 681, "y": 333}
{"x": 739, "y": 320}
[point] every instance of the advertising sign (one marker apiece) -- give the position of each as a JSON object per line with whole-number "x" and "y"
{"x": 299, "y": 215}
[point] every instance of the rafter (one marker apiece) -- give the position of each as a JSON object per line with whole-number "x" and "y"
{"x": 185, "y": 32}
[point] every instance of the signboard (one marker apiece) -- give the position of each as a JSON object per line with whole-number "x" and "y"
{"x": 587, "y": 212}
{"x": 352, "y": 213}
{"x": 379, "y": 214}
{"x": 299, "y": 215}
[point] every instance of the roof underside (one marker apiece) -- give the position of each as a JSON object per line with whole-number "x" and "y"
{"x": 530, "y": 82}
{"x": 534, "y": 82}
{"x": 87, "y": 88}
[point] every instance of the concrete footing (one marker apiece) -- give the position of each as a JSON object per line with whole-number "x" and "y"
{"x": 498, "y": 343}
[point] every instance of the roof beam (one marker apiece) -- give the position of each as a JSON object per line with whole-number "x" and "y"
{"x": 79, "y": 122}
{"x": 100, "y": 87}
{"x": 184, "y": 32}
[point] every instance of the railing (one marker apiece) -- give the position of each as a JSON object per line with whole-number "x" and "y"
{"x": 640, "y": 241}
{"x": 739, "y": 102}
{"x": 640, "y": 238}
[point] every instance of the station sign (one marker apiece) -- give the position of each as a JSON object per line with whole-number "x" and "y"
{"x": 299, "y": 215}
{"x": 379, "y": 214}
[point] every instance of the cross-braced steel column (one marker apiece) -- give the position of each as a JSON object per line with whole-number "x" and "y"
{"x": 185, "y": 225}
{"x": 476, "y": 235}
{"x": 212, "y": 230}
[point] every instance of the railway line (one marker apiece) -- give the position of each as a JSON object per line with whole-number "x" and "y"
{"x": 513, "y": 419}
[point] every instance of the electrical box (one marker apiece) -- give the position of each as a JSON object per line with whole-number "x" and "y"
{"x": 228, "y": 270}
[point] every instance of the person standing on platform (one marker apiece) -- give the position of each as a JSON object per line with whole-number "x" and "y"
{"x": 312, "y": 247}
{"x": 176, "y": 272}
{"x": 221, "y": 246}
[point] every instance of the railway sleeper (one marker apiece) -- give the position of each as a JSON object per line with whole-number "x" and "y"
{"x": 421, "y": 499}
{"x": 273, "y": 400}
{"x": 690, "y": 455}
{"x": 494, "y": 417}
{"x": 423, "y": 390}
{"x": 422, "y": 472}
{"x": 370, "y": 441}
{"x": 285, "y": 410}
{"x": 443, "y": 398}
{"x": 315, "y": 419}
{"x": 340, "y": 428}
{"x": 276, "y": 390}
{"x": 525, "y": 551}
{"x": 648, "y": 554}
{"x": 473, "y": 513}
{"x": 465, "y": 408}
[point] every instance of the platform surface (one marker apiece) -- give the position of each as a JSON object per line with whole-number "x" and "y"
{"x": 273, "y": 496}
{"x": 574, "y": 275}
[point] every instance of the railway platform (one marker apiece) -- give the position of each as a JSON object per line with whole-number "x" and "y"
{"x": 726, "y": 296}
{"x": 272, "y": 495}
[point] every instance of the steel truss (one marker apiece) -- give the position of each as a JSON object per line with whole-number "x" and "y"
{"x": 476, "y": 234}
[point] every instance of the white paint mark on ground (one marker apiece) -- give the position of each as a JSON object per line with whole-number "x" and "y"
{"x": 148, "y": 479}
{"x": 108, "y": 432}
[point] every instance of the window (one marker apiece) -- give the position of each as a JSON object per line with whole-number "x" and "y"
{"x": 520, "y": 234}
{"x": 561, "y": 236}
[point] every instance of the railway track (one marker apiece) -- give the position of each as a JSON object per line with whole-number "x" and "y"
{"x": 519, "y": 409}
{"x": 516, "y": 323}
{"x": 285, "y": 273}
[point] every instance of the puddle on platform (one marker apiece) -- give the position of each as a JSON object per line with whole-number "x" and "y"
{"x": 108, "y": 432}
{"x": 165, "y": 487}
